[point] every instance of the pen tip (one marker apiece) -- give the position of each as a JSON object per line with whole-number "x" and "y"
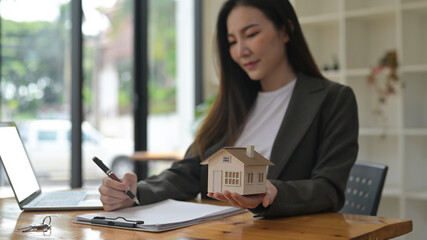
{"x": 136, "y": 201}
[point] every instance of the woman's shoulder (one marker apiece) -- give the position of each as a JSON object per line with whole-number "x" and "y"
{"x": 323, "y": 83}
{"x": 336, "y": 96}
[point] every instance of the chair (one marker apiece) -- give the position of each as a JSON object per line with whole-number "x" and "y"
{"x": 364, "y": 188}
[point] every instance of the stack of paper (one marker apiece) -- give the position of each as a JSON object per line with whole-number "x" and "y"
{"x": 166, "y": 215}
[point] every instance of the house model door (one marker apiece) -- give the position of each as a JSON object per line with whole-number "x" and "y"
{"x": 217, "y": 181}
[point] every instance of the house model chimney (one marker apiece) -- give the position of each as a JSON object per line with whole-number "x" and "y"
{"x": 250, "y": 151}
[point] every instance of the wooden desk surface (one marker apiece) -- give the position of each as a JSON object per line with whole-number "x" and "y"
{"x": 244, "y": 226}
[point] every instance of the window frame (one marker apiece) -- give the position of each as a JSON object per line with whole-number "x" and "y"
{"x": 226, "y": 157}
{"x": 260, "y": 177}
{"x": 250, "y": 178}
{"x": 234, "y": 177}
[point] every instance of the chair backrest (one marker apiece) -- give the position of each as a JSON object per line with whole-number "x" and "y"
{"x": 364, "y": 188}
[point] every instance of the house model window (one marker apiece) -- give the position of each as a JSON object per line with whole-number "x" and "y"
{"x": 232, "y": 178}
{"x": 250, "y": 178}
{"x": 226, "y": 159}
{"x": 260, "y": 177}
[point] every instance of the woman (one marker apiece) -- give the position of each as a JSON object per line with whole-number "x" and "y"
{"x": 273, "y": 96}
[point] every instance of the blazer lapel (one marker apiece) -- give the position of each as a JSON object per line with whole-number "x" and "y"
{"x": 306, "y": 99}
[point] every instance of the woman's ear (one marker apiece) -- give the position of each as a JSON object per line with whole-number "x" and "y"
{"x": 291, "y": 24}
{"x": 285, "y": 32}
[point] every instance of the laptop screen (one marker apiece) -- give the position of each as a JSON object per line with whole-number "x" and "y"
{"x": 16, "y": 162}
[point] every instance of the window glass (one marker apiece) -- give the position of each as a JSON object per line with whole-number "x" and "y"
{"x": 35, "y": 81}
{"x": 260, "y": 177}
{"x": 171, "y": 77}
{"x": 108, "y": 87}
{"x": 250, "y": 179}
{"x": 232, "y": 179}
{"x": 46, "y": 136}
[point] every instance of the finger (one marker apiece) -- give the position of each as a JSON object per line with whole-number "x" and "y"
{"x": 112, "y": 207}
{"x": 131, "y": 180}
{"x": 230, "y": 199}
{"x": 270, "y": 194}
{"x": 266, "y": 201}
{"x": 239, "y": 203}
{"x": 107, "y": 200}
{"x": 219, "y": 196}
{"x": 108, "y": 182}
{"x": 111, "y": 193}
{"x": 242, "y": 201}
{"x": 122, "y": 201}
{"x": 251, "y": 201}
{"x": 268, "y": 198}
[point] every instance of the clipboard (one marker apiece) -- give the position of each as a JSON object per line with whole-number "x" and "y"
{"x": 115, "y": 222}
{"x": 158, "y": 217}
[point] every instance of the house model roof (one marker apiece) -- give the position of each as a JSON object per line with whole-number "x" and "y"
{"x": 241, "y": 154}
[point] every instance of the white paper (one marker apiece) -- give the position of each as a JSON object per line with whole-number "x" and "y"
{"x": 168, "y": 214}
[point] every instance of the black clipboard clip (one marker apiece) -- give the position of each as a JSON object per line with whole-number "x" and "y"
{"x": 114, "y": 222}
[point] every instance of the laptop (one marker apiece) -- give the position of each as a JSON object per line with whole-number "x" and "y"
{"x": 25, "y": 184}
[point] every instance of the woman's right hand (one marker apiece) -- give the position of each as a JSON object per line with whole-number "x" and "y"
{"x": 113, "y": 195}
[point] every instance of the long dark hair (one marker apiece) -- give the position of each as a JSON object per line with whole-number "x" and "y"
{"x": 237, "y": 92}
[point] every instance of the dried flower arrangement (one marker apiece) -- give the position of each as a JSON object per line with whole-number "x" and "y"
{"x": 385, "y": 82}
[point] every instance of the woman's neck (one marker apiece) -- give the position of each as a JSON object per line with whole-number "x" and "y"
{"x": 279, "y": 79}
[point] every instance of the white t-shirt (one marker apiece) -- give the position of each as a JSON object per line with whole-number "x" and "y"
{"x": 265, "y": 119}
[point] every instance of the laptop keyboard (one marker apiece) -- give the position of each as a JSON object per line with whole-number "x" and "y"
{"x": 58, "y": 199}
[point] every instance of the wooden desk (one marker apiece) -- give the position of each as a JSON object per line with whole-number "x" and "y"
{"x": 142, "y": 157}
{"x": 244, "y": 226}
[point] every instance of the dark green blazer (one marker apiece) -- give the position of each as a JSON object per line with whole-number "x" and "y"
{"x": 313, "y": 152}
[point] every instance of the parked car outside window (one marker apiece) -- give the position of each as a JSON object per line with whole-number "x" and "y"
{"x": 48, "y": 144}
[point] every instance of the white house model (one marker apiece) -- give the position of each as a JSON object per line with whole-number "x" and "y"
{"x": 237, "y": 169}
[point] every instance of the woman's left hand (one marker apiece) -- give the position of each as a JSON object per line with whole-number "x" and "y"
{"x": 249, "y": 201}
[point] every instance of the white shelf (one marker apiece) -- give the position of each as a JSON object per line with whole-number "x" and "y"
{"x": 410, "y": 1}
{"x": 417, "y": 212}
{"x": 418, "y": 6}
{"x": 414, "y": 68}
{"x": 321, "y": 40}
{"x": 367, "y": 40}
{"x": 391, "y": 192}
{"x": 372, "y": 113}
{"x": 388, "y": 207}
{"x": 417, "y": 195}
{"x": 324, "y": 19}
{"x": 415, "y": 132}
{"x": 414, "y": 26}
{"x": 368, "y": 4}
{"x": 332, "y": 74}
{"x": 381, "y": 132}
{"x": 314, "y": 8}
{"x": 414, "y": 100}
{"x": 358, "y": 72}
{"x": 366, "y": 14}
{"x": 394, "y": 133}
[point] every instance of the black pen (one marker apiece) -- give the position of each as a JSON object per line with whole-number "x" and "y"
{"x": 114, "y": 177}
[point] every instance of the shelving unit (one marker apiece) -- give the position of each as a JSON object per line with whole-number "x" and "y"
{"x": 348, "y": 38}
